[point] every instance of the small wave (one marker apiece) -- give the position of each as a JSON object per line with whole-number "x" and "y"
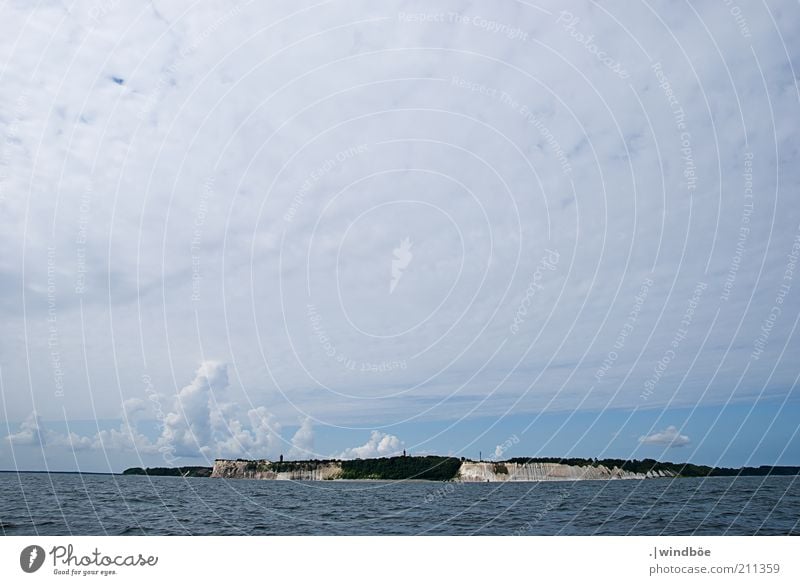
{"x": 44, "y": 523}
{"x": 131, "y": 530}
{"x": 133, "y": 499}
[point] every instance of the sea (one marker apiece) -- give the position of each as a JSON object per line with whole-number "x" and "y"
{"x": 80, "y": 504}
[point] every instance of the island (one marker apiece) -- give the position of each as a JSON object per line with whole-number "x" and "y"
{"x": 441, "y": 468}
{"x": 192, "y": 471}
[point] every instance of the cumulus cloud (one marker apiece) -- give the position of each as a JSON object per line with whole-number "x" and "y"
{"x": 379, "y": 445}
{"x": 189, "y": 429}
{"x": 669, "y": 437}
{"x": 199, "y": 424}
{"x": 303, "y": 440}
{"x": 134, "y": 407}
{"x": 259, "y": 438}
{"x": 72, "y": 441}
{"x": 30, "y": 432}
{"x": 203, "y": 422}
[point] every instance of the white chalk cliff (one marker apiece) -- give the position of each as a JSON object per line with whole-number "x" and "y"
{"x": 488, "y": 471}
{"x": 469, "y": 471}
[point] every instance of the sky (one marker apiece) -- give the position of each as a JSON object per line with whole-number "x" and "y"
{"x": 348, "y": 229}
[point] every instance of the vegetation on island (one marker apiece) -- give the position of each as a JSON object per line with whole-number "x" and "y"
{"x": 431, "y": 467}
{"x": 438, "y": 468}
{"x": 294, "y": 466}
{"x": 191, "y": 471}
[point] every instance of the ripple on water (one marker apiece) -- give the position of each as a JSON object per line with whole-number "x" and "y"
{"x": 67, "y": 504}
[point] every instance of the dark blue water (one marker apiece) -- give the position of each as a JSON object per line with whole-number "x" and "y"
{"x": 94, "y": 505}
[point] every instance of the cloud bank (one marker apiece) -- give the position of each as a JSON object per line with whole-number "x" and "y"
{"x": 200, "y": 423}
{"x": 391, "y": 213}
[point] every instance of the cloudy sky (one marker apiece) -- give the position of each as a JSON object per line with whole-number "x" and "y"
{"x": 352, "y": 228}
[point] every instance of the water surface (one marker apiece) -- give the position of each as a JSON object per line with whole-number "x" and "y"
{"x": 72, "y": 504}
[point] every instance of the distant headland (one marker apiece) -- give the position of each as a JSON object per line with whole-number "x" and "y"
{"x": 439, "y": 468}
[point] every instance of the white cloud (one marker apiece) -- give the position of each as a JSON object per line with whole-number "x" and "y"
{"x": 32, "y": 433}
{"x": 379, "y": 445}
{"x": 29, "y": 433}
{"x": 128, "y": 184}
{"x": 303, "y": 440}
{"x": 258, "y": 439}
{"x": 189, "y": 428}
{"x": 205, "y": 423}
{"x": 72, "y": 441}
{"x": 134, "y": 407}
{"x": 200, "y": 424}
{"x": 669, "y": 437}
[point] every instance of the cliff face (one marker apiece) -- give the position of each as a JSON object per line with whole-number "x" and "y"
{"x": 263, "y": 469}
{"x": 469, "y": 471}
{"x": 486, "y": 471}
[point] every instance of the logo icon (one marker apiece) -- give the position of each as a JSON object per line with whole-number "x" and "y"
{"x": 31, "y": 558}
{"x": 402, "y": 258}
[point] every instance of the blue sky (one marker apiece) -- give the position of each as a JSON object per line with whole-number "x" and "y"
{"x": 348, "y": 229}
